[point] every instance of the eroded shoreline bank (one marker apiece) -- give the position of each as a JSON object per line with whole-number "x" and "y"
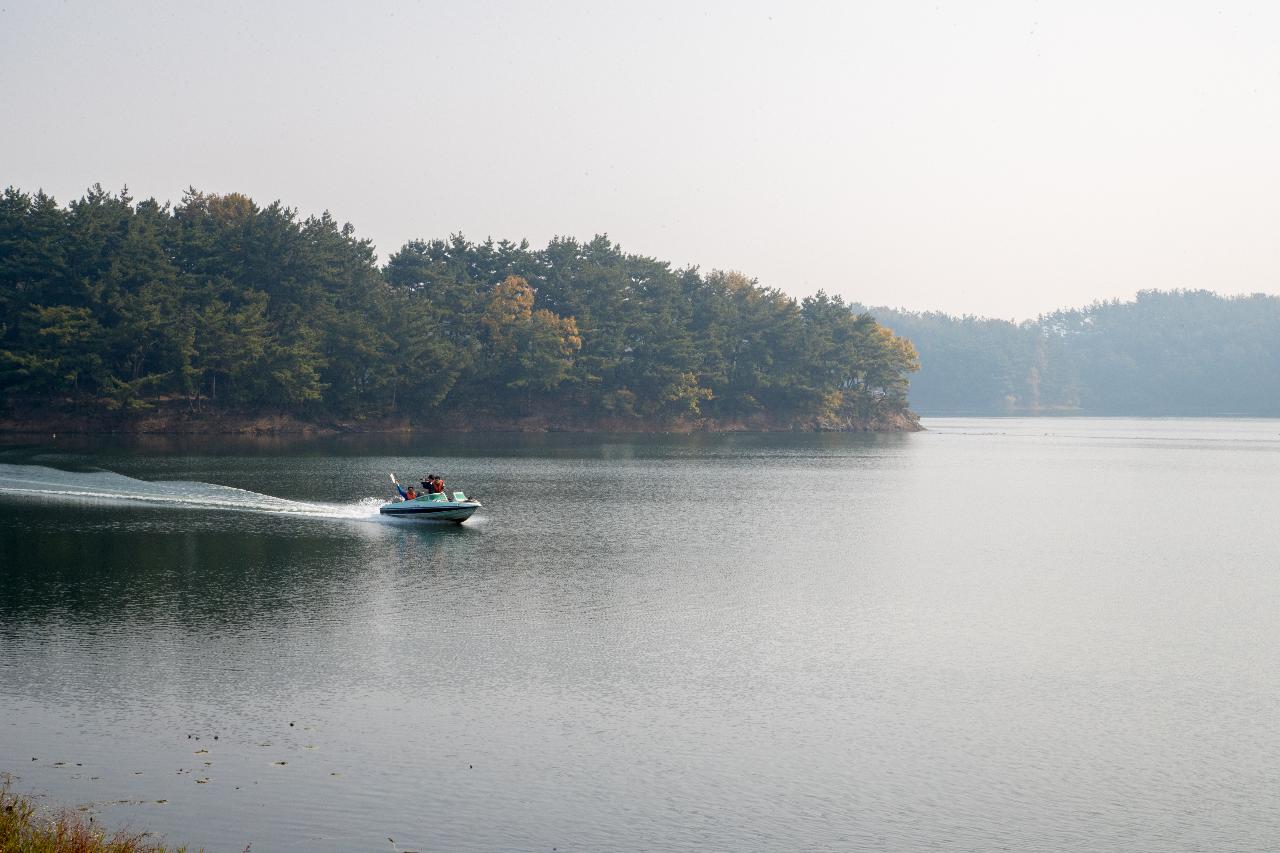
{"x": 187, "y": 423}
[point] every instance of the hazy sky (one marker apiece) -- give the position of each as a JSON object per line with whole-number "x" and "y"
{"x": 993, "y": 158}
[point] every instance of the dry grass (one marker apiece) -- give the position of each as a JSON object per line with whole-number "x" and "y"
{"x": 24, "y": 830}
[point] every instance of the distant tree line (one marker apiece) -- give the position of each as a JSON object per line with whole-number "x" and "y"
{"x": 1182, "y": 352}
{"x": 219, "y": 304}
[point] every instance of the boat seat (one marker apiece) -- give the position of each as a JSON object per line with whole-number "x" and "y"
{"x": 459, "y": 496}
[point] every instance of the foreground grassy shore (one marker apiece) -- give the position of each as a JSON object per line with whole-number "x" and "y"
{"x": 23, "y": 829}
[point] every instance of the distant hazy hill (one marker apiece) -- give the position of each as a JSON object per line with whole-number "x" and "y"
{"x": 1165, "y": 353}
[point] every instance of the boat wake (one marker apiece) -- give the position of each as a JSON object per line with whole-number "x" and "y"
{"x": 52, "y": 484}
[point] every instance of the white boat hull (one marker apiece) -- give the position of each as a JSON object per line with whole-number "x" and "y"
{"x": 424, "y": 510}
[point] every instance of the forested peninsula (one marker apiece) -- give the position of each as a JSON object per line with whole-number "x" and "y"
{"x": 1180, "y": 352}
{"x": 217, "y": 314}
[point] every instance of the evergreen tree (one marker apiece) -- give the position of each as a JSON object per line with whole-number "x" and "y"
{"x": 114, "y": 305}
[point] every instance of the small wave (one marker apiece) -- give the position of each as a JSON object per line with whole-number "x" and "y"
{"x": 51, "y": 483}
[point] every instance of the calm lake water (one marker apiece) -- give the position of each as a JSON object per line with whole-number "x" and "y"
{"x": 1041, "y": 634}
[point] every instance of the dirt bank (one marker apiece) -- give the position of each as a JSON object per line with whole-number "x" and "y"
{"x": 176, "y": 420}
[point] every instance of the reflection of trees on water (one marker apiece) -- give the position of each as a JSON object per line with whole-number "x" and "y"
{"x": 140, "y": 566}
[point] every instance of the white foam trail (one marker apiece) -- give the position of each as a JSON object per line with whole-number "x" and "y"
{"x": 39, "y": 481}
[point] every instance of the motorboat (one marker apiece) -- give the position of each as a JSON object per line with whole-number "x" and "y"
{"x": 456, "y": 507}
{"x": 430, "y": 506}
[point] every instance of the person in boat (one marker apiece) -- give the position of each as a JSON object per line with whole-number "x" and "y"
{"x": 437, "y": 485}
{"x": 410, "y": 494}
{"x": 426, "y": 481}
